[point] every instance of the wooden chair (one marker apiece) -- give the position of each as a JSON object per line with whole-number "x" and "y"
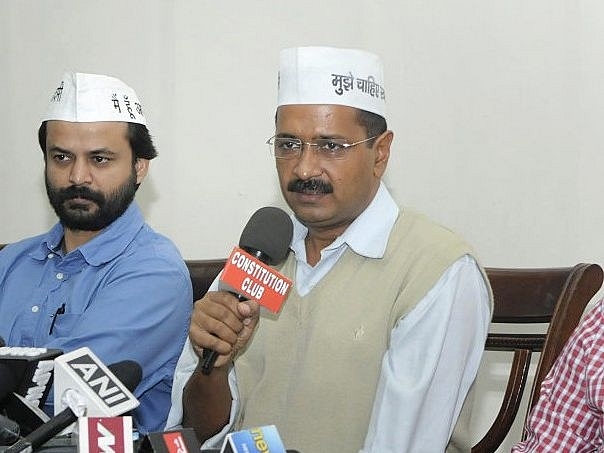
{"x": 557, "y": 296}
{"x": 202, "y": 274}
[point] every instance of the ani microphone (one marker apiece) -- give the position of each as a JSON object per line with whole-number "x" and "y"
{"x": 128, "y": 373}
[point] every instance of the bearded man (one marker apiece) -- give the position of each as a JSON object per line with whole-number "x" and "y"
{"x": 101, "y": 277}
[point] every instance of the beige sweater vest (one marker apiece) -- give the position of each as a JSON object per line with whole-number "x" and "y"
{"x": 313, "y": 369}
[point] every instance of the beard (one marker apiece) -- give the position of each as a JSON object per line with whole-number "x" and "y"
{"x": 77, "y": 215}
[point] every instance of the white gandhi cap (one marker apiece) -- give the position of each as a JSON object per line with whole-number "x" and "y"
{"x": 82, "y": 98}
{"x": 328, "y": 75}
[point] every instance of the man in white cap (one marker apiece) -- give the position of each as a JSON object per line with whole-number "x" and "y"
{"x": 380, "y": 340}
{"x": 101, "y": 277}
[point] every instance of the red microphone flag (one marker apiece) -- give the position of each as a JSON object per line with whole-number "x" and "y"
{"x": 251, "y": 278}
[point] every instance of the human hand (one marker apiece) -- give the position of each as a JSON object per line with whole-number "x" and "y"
{"x": 222, "y": 323}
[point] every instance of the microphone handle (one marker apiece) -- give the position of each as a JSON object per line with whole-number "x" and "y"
{"x": 209, "y": 356}
{"x": 44, "y": 433}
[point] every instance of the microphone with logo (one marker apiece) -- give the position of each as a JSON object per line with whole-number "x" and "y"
{"x": 31, "y": 369}
{"x": 85, "y": 387}
{"x": 258, "y": 439}
{"x": 248, "y": 273}
{"x": 26, "y": 375}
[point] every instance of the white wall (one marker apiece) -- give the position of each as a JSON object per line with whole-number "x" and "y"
{"x": 496, "y": 108}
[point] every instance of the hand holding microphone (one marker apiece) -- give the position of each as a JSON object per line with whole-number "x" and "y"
{"x": 222, "y": 324}
{"x": 247, "y": 275}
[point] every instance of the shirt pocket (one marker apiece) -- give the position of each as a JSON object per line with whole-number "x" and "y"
{"x": 65, "y": 324}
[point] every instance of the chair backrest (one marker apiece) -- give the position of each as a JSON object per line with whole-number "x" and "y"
{"x": 203, "y": 273}
{"x": 556, "y": 296}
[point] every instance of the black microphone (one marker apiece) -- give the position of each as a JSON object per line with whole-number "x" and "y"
{"x": 267, "y": 237}
{"x": 128, "y": 372}
{"x": 180, "y": 441}
{"x": 32, "y": 368}
{"x": 26, "y": 377}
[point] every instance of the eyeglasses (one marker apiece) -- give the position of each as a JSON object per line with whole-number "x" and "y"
{"x": 328, "y": 148}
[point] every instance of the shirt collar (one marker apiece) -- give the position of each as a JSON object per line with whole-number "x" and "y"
{"x": 111, "y": 242}
{"x": 367, "y": 235}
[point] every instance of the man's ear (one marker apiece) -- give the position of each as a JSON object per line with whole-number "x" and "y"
{"x": 141, "y": 166}
{"x": 382, "y": 152}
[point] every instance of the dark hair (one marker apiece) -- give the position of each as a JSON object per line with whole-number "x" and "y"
{"x": 138, "y": 136}
{"x": 373, "y": 123}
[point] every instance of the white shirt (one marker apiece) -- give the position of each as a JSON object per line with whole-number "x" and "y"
{"x": 419, "y": 396}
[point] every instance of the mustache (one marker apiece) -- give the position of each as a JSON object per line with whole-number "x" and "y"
{"x": 310, "y": 186}
{"x": 79, "y": 192}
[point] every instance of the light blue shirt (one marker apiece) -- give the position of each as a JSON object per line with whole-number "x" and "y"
{"x": 126, "y": 294}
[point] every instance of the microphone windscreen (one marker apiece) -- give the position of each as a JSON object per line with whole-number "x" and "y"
{"x": 128, "y": 372}
{"x": 269, "y": 231}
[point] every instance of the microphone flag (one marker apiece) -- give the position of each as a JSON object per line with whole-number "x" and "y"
{"x": 103, "y": 394}
{"x": 251, "y": 278}
{"x": 254, "y": 440}
{"x": 176, "y": 441}
{"x": 31, "y": 372}
{"x": 105, "y": 434}
{"x": 33, "y": 367}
